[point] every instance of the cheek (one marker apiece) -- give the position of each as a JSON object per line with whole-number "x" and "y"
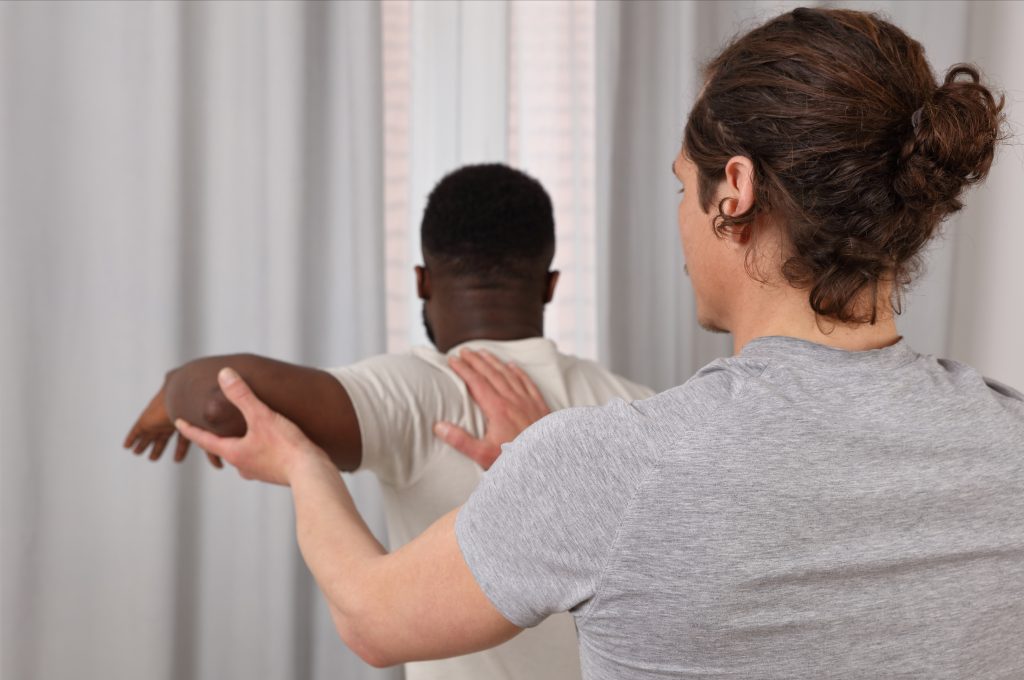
{"x": 680, "y": 223}
{"x": 690, "y": 221}
{"x": 684, "y": 220}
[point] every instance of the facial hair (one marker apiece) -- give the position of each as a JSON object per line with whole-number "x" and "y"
{"x": 710, "y": 327}
{"x": 427, "y": 327}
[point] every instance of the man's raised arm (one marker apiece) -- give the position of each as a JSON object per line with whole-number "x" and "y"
{"x": 309, "y": 397}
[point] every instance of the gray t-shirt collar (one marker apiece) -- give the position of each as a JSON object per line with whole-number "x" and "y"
{"x": 782, "y": 348}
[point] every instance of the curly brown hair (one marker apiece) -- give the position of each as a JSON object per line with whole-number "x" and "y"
{"x": 857, "y": 151}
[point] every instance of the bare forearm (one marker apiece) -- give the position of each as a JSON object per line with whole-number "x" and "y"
{"x": 311, "y": 398}
{"x": 339, "y": 550}
{"x": 420, "y": 602}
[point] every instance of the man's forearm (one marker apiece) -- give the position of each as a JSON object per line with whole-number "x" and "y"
{"x": 420, "y": 602}
{"x": 311, "y": 398}
{"x": 339, "y": 550}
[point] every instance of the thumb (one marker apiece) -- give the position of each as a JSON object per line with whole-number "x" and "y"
{"x": 238, "y": 393}
{"x": 454, "y": 436}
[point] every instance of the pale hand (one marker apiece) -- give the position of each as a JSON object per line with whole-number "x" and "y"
{"x": 272, "y": 445}
{"x": 508, "y": 398}
{"x": 154, "y": 428}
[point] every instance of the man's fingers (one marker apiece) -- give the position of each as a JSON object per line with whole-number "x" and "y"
{"x": 142, "y": 444}
{"x": 479, "y": 387}
{"x": 529, "y": 387}
{"x": 486, "y": 367}
{"x": 490, "y": 394}
{"x": 207, "y": 441}
{"x": 158, "y": 446}
{"x": 181, "y": 449}
{"x": 505, "y": 371}
{"x": 454, "y": 436}
{"x": 132, "y": 436}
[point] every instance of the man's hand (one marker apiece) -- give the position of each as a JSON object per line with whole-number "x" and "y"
{"x": 154, "y": 428}
{"x": 272, "y": 445}
{"x": 508, "y": 398}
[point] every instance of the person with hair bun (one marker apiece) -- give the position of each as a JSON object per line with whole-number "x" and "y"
{"x": 825, "y": 503}
{"x": 852, "y": 153}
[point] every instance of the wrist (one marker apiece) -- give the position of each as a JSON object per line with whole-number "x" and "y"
{"x": 310, "y": 459}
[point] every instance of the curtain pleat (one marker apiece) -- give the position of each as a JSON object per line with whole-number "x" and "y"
{"x": 179, "y": 179}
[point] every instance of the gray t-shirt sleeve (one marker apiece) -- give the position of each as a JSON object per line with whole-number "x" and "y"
{"x": 538, "y": 530}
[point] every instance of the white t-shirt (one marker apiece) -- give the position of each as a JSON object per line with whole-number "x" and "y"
{"x": 397, "y": 399}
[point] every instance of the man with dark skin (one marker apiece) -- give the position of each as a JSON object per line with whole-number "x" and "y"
{"x": 488, "y": 242}
{"x": 453, "y": 313}
{"x": 312, "y": 397}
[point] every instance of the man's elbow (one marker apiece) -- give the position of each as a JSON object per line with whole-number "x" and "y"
{"x": 222, "y": 417}
{"x": 366, "y": 646}
{"x": 378, "y": 660}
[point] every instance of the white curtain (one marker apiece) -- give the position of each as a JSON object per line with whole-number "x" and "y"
{"x": 969, "y": 303}
{"x": 177, "y": 179}
{"x": 484, "y": 81}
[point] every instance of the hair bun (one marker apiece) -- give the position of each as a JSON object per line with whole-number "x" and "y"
{"x": 952, "y": 143}
{"x": 858, "y": 152}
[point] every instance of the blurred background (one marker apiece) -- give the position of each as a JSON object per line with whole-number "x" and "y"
{"x": 189, "y": 178}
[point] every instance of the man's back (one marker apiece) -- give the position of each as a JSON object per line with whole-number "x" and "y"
{"x": 795, "y": 512}
{"x": 397, "y": 399}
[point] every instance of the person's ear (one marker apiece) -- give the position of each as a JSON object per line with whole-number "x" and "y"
{"x": 739, "y": 193}
{"x": 422, "y": 282}
{"x": 549, "y": 289}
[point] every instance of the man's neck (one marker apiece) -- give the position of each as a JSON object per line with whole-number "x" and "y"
{"x": 790, "y": 315}
{"x": 487, "y": 315}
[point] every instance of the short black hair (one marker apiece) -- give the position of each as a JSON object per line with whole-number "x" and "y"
{"x": 489, "y": 222}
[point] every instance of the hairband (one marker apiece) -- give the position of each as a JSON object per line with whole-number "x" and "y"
{"x": 915, "y": 118}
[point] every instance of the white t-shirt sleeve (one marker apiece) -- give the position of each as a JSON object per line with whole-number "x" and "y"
{"x": 397, "y": 399}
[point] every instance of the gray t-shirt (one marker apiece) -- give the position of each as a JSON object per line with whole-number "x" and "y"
{"x": 793, "y": 512}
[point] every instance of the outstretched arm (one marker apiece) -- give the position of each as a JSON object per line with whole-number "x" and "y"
{"x": 311, "y": 398}
{"x": 420, "y": 602}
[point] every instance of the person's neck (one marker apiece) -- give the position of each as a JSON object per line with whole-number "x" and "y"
{"x": 486, "y": 315}
{"x": 790, "y": 315}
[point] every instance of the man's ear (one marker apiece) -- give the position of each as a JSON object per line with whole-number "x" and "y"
{"x": 422, "y": 282}
{"x": 739, "y": 194}
{"x": 549, "y": 290}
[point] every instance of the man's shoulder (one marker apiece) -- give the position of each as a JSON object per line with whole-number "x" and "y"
{"x": 577, "y": 369}
{"x": 403, "y": 380}
{"x": 965, "y": 373}
{"x": 586, "y": 380}
{"x": 717, "y": 385}
{"x": 657, "y": 424}
{"x": 418, "y": 361}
